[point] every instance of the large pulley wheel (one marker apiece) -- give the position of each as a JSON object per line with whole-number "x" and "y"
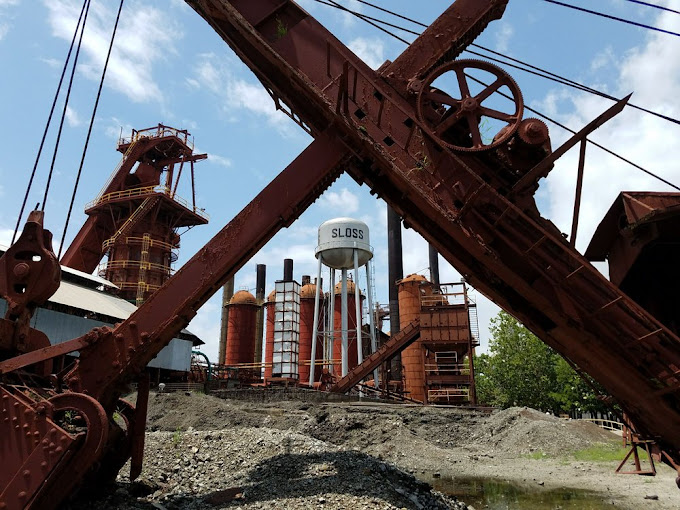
{"x": 459, "y": 118}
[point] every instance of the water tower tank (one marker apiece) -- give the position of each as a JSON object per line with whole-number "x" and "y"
{"x": 338, "y": 238}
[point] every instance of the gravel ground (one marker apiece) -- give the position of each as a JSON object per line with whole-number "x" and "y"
{"x": 205, "y": 452}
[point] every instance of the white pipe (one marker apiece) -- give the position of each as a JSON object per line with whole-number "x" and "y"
{"x": 331, "y": 321}
{"x": 357, "y": 308}
{"x": 374, "y": 340}
{"x": 315, "y": 329}
{"x": 344, "y": 325}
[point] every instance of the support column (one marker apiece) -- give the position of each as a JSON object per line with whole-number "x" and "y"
{"x": 227, "y": 293}
{"x": 395, "y": 268}
{"x": 315, "y": 329}
{"x": 259, "y": 317}
{"x": 344, "y": 325}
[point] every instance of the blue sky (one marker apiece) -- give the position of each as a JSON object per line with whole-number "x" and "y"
{"x": 170, "y": 67}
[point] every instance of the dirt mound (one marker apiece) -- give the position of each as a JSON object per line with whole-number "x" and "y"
{"x": 520, "y": 430}
{"x": 375, "y": 426}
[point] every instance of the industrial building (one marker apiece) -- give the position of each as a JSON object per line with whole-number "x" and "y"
{"x": 84, "y": 302}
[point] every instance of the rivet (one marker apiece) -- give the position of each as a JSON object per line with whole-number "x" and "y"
{"x": 59, "y": 449}
{"x": 26, "y": 473}
{"x": 44, "y": 464}
{"x": 22, "y": 495}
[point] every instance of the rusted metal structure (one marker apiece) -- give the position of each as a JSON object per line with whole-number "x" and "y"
{"x": 640, "y": 238}
{"x": 269, "y": 335}
{"x": 241, "y": 332}
{"x": 448, "y": 338}
{"x": 438, "y": 367}
{"x": 135, "y": 218}
{"x": 420, "y": 150}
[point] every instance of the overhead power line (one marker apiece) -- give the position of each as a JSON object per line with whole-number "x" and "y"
{"x": 554, "y": 77}
{"x": 528, "y": 68}
{"x": 661, "y": 7}
{"x": 615, "y": 18}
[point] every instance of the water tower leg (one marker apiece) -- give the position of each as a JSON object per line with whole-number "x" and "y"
{"x": 315, "y": 329}
{"x": 331, "y": 323}
{"x": 371, "y": 321}
{"x": 344, "y": 325}
{"x": 357, "y": 308}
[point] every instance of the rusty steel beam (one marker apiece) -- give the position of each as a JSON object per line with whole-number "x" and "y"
{"x": 387, "y": 351}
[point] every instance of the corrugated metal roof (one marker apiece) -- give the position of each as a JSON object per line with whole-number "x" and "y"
{"x": 92, "y": 300}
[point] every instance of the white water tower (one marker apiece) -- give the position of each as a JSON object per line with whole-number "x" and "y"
{"x": 344, "y": 244}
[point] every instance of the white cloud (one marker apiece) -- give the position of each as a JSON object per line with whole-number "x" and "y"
{"x": 5, "y": 26}
{"x": 503, "y": 36}
{"x": 216, "y": 75}
{"x": 72, "y": 117}
{"x": 117, "y": 129}
{"x": 219, "y": 160}
{"x": 370, "y": 50}
{"x": 349, "y": 19}
{"x": 145, "y": 36}
{"x": 653, "y": 72}
{"x": 341, "y": 203}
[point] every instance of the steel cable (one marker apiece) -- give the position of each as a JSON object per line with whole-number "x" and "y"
{"x": 564, "y": 81}
{"x": 89, "y": 130}
{"x": 63, "y": 113}
{"x": 47, "y": 124}
{"x": 615, "y": 18}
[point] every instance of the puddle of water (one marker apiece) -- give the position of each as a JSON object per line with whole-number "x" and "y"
{"x": 493, "y": 494}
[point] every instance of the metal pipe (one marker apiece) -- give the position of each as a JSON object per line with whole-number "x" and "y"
{"x": 315, "y": 329}
{"x": 434, "y": 265}
{"x": 577, "y": 198}
{"x": 227, "y": 293}
{"x": 395, "y": 269}
{"x": 371, "y": 319}
{"x": 343, "y": 322}
{"x": 261, "y": 279}
{"x": 357, "y": 309}
{"x": 331, "y": 321}
{"x": 287, "y": 270}
{"x": 306, "y": 279}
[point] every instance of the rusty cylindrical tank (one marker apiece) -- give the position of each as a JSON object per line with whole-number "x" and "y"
{"x": 241, "y": 331}
{"x": 269, "y": 336}
{"x": 351, "y": 328}
{"x": 411, "y": 289}
{"x": 307, "y": 296}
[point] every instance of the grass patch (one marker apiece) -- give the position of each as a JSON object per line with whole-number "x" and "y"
{"x": 601, "y": 453}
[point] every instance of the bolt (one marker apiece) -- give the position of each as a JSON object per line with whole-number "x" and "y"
{"x": 21, "y": 270}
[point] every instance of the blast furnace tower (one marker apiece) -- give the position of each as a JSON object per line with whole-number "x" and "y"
{"x": 136, "y": 218}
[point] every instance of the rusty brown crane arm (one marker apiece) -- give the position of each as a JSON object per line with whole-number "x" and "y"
{"x": 458, "y": 197}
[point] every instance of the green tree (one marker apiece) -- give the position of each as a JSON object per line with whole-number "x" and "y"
{"x": 520, "y": 370}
